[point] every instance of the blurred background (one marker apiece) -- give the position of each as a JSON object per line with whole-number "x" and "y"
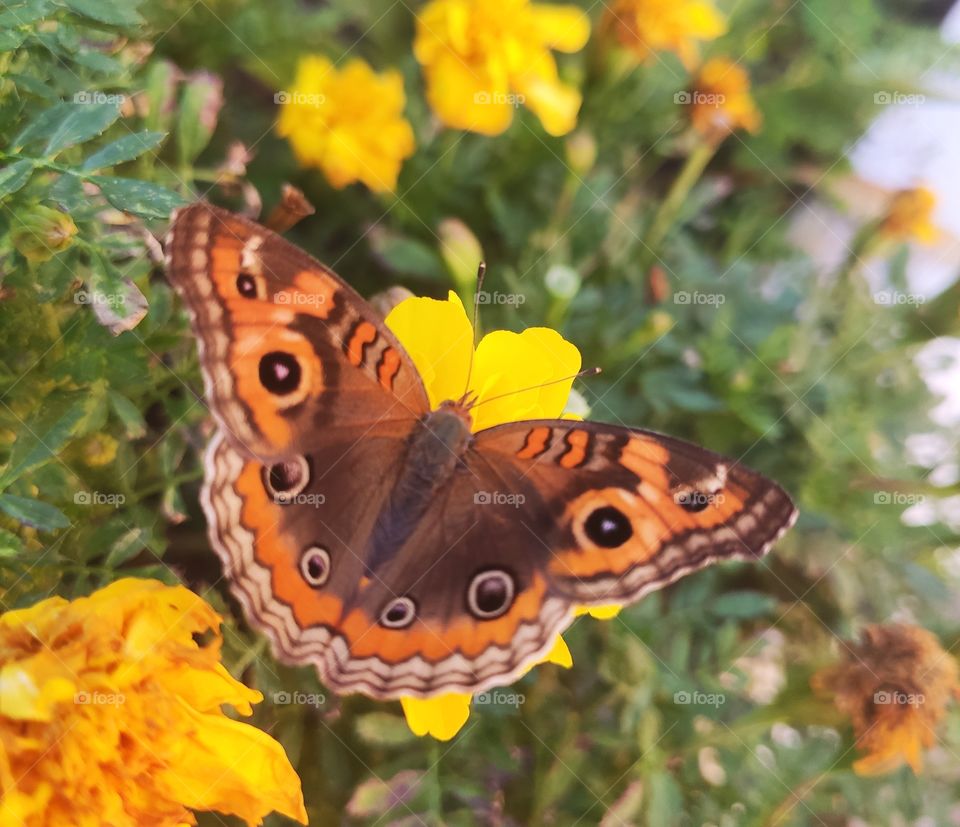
{"x": 747, "y": 213}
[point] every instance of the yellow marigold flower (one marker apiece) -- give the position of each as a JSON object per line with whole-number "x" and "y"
{"x": 110, "y": 713}
{"x": 646, "y": 27}
{"x": 484, "y": 58}
{"x": 910, "y": 217}
{"x": 721, "y": 102}
{"x": 438, "y": 335}
{"x": 895, "y": 685}
{"x": 347, "y": 122}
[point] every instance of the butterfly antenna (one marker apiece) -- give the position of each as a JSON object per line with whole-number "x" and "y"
{"x": 481, "y": 272}
{"x": 581, "y": 375}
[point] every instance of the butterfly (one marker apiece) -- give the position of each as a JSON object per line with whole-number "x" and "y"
{"x": 355, "y": 523}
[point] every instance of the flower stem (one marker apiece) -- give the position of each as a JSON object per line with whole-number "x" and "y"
{"x": 434, "y": 789}
{"x": 666, "y": 215}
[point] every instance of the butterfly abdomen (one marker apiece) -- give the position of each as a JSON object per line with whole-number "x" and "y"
{"x": 434, "y": 454}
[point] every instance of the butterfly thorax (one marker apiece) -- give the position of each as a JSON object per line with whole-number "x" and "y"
{"x": 434, "y": 455}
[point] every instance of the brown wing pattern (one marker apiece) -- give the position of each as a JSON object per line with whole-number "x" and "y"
{"x": 288, "y": 350}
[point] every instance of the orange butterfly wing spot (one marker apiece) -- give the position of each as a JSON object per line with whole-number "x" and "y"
{"x": 388, "y": 367}
{"x": 536, "y": 443}
{"x": 435, "y": 641}
{"x": 577, "y": 452}
{"x": 279, "y": 558}
{"x": 356, "y": 343}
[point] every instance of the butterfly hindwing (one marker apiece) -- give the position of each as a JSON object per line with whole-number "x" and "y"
{"x": 288, "y": 350}
{"x": 629, "y": 510}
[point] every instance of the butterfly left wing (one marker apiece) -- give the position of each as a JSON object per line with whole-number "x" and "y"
{"x": 289, "y": 351}
{"x": 629, "y": 511}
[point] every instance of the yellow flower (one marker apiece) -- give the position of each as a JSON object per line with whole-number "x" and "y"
{"x": 42, "y": 233}
{"x": 100, "y": 450}
{"x": 895, "y": 685}
{"x": 484, "y": 58}
{"x": 347, "y": 122}
{"x": 910, "y": 217}
{"x": 439, "y": 337}
{"x": 646, "y": 27}
{"x": 721, "y": 102}
{"x": 110, "y": 713}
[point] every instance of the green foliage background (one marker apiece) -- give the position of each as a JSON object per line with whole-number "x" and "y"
{"x": 804, "y": 377}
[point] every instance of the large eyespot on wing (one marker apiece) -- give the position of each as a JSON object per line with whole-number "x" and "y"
{"x": 631, "y": 511}
{"x": 286, "y": 347}
{"x": 290, "y": 535}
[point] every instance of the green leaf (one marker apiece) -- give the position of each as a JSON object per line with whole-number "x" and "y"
{"x": 382, "y": 729}
{"x": 14, "y": 177}
{"x": 10, "y": 544}
{"x": 110, "y": 12}
{"x": 33, "y": 512}
{"x": 123, "y": 149}
{"x": 743, "y": 604}
{"x": 138, "y": 197}
{"x": 408, "y": 256}
{"x": 129, "y": 414}
{"x": 43, "y": 125}
{"x": 126, "y": 548}
{"x": 11, "y": 39}
{"x": 199, "y": 106}
{"x": 83, "y": 122}
{"x": 24, "y": 13}
{"x": 51, "y": 434}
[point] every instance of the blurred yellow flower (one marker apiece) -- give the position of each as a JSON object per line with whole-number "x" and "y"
{"x": 39, "y": 233}
{"x": 484, "y": 58}
{"x": 646, "y": 27}
{"x": 910, "y": 217}
{"x": 110, "y": 713}
{"x": 895, "y": 686}
{"x": 720, "y": 100}
{"x": 347, "y": 122}
{"x": 439, "y": 337}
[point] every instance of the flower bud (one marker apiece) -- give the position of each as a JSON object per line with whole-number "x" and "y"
{"x": 461, "y": 252}
{"x": 42, "y": 233}
{"x": 581, "y": 152}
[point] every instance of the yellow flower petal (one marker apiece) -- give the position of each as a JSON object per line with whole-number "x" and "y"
{"x": 438, "y": 336}
{"x": 564, "y": 28}
{"x": 484, "y": 58}
{"x": 441, "y": 717}
{"x": 559, "y": 654}
{"x": 347, "y": 121}
{"x": 507, "y": 362}
{"x": 111, "y": 712}
{"x": 599, "y": 612}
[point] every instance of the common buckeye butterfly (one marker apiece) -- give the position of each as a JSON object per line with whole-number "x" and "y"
{"x": 403, "y": 584}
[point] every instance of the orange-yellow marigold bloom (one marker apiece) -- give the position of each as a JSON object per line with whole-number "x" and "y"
{"x": 110, "y": 713}
{"x": 347, "y": 122}
{"x": 894, "y": 685}
{"x": 484, "y": 58}
{"x": 910, "y": 217}
{"x": 646, "y": 27}
{"x": 720, "y": 100}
